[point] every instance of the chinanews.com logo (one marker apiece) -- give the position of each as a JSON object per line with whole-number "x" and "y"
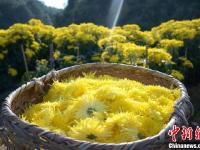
{"x": 187, "y": 134}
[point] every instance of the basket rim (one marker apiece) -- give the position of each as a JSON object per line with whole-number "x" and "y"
{"x": 7, "y": 114}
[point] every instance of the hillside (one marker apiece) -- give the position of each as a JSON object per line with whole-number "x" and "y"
{"x": 20, "y": 11}
{"x": 146, "y": 13}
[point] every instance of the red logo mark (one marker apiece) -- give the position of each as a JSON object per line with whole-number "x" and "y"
{"x": 174, "y": 132}
{"x": 186, "y": 133}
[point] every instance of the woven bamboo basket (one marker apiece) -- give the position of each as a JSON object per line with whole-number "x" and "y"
{"x": 19, "y": 135}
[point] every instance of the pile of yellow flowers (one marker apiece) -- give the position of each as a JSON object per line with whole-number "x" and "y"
{"x": 103, "y": 109}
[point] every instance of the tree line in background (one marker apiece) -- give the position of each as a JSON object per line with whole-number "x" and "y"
{"x": 32, "y": 49}
{"x": 20, "y": 11}
{"x": 146, "y": 13}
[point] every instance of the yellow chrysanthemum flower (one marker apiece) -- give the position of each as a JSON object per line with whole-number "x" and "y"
{"x": 41, "y": 118}
{"x": 124, "y": 127}
{"x": 12, "y": 72}
{"x": 76, "y": 89}
{"x": 88, "y": 106}
{"x": 110, "y": 93}
{"x": 56, "y": 54}
{"x": 114, "y": 58}
{"x": 29, "y": 53}
{"x": 1, "y": 56}
{"x": 30, "y": 112}
{"x": 68, "y": 58}
{"x": 35, "y": 46}
{"x": 56, "y": 91}
{"x": 61, "y": 121}
{"x": 138, "y": 95}
{"x": 177, "y": 74}
{"x": 5, "y": 52}
{"x": 128, "y": 105}
{"x": 89, "y": 129}
{"x": 155, "y": 92}
{"x": 188, "y": 64}
{"x": 42, "y": 62}
{"x": 65, "y": 90}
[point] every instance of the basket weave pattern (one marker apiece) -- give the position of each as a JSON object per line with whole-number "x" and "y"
{"x": 19, "y": 135}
